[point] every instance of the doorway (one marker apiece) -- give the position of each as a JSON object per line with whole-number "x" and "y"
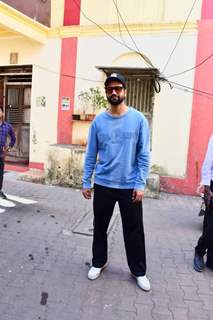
{"x": 17, "y": 113}
{"x": 15, "y": 96}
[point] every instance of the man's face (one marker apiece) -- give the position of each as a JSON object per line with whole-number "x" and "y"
{"x": 115, "y": 93}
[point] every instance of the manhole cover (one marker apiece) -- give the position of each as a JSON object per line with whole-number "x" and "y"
{"x": 85, "y": 225}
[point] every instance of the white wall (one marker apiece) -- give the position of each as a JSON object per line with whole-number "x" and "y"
{"x": 172, "y": 111}
{"x": 139, "y": 11}
{"x": 57, "y": 13}
{"x": 45, "y": 82}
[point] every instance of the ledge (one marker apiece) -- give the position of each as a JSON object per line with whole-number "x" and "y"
{"x": 19, "y": 24}
{"x": 143, "y": 28}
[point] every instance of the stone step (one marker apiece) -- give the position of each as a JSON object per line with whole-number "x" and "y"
{"x": 33, "y": 175}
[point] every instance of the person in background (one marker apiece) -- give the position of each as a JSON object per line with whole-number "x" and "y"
{"x": 205, "y": 242}
{"x": 121, "y": 140}
{"x": 5, "y": 131}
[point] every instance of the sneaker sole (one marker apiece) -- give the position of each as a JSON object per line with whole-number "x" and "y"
{"x": 144, "y": 289}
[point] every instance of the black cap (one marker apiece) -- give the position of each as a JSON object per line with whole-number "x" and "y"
{"x": 116, "y": 77}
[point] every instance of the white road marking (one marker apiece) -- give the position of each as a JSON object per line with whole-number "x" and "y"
{"x": 2, "y": 210}
{"x": 6, "y": 203}
{"x": 20, "y": 199}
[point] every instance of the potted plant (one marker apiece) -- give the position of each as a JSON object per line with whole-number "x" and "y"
{"x": 91, "y": 99}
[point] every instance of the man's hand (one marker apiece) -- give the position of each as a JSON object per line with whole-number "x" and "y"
{"x": 6, "y": 149}
{"x": 137, "y": 195}
{"x": 200, "y": 189}
{"x": 87, "y": 193}
{"x": 207, "y": 196}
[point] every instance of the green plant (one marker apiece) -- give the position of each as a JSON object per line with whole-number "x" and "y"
{"x": 92, "y": 98}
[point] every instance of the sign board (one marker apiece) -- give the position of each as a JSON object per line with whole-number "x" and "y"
{"x": 65, "y": 103}
{"x": 41, "y": 101}
{"x": 13, "y": 57}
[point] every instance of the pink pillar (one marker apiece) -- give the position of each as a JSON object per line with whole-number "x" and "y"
{"x": 202, "y": 108}
{"x": 67, "y": 89}
{"x": 72, "y": 12}
{"x": 68, "y": 73}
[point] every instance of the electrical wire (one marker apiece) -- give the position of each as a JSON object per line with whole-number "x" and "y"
{"x": 119, "y": 15}
{"x": 179, "y": 37}
{"x": 189, "y": 91}
{"x": 101, "y": 28}
{"x": 119, "y": 25}
{"x": 156, "y": 85}
{"x": 190, "y": 69}
{"x": 148, "y": 62}
{"x": 192, "y": 89}
{"x": 138, "y": 52}
{"x": 67, "y": 75}
{"x": 106, "y": 32}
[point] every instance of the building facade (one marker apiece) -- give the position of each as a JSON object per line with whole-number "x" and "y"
{"x": 56, "y": 52}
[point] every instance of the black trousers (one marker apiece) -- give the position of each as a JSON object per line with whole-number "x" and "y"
{"x": 1, "y": 172}
{"x": 205, "y": 242}
{"x": 132, "y": 222}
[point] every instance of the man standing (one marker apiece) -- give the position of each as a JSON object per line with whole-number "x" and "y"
{"x": 120, "y": 139}
{"x": 5, "y": 131}
{"x": 205, "y": 242}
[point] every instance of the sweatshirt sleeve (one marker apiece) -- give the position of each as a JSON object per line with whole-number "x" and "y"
{"x": 90, "y": 156}
{"x": 143, "y": 155}
{"x": 207, "y": 164}
{"x": 12, "y": 136}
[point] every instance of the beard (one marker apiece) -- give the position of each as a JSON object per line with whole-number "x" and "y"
{"x": 115, "y": 100}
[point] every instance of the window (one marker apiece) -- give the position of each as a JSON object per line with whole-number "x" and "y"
{"x": 140, "y": 94}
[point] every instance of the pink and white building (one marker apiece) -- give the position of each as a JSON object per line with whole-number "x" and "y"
{"x": 48, "y": 59}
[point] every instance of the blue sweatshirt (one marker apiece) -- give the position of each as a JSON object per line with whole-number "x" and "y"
{"x": 118, "y": 151}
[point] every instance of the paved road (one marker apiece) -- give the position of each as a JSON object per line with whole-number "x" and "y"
{"x": 44, "y": 264}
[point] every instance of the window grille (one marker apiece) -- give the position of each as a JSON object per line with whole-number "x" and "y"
{"x": 14, "y": 113}
{"x": 140, "y": 94}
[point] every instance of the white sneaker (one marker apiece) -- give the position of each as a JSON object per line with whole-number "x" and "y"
{"x": 143, "y": 283}
{"x": 94, "y": 273}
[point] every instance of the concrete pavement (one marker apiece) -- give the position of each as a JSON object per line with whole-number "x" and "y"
{"x": 44, "y": 265}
